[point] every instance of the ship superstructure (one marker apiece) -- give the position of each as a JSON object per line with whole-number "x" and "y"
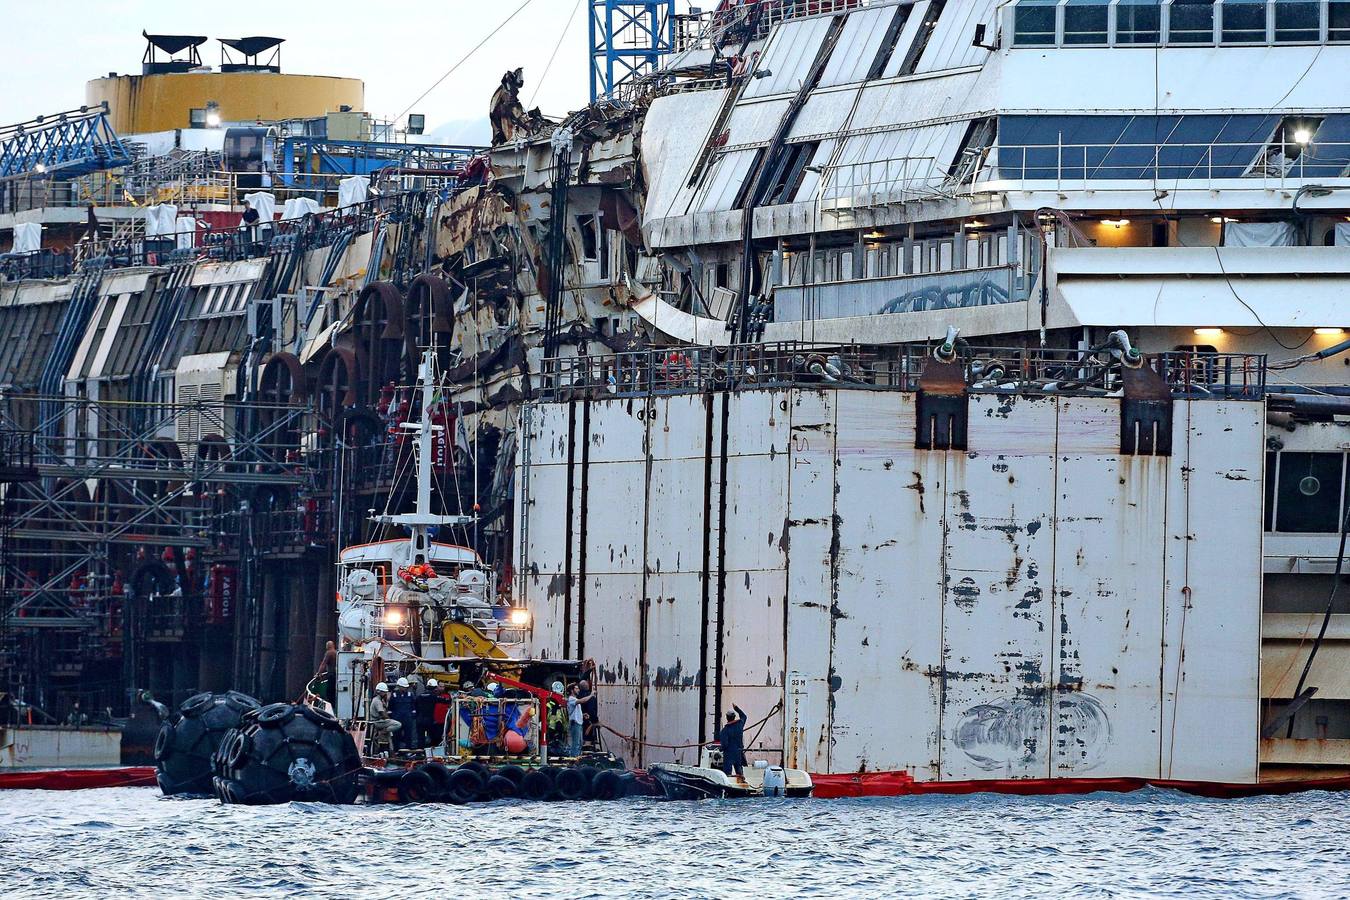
{"x": 957, "y": 384}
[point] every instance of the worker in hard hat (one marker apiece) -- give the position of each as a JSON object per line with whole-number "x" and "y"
{"x": 403, "y": 707}
{"x": 378, "y": 721}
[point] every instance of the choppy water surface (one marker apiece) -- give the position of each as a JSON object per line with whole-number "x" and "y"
{"x": 130, "y": 841}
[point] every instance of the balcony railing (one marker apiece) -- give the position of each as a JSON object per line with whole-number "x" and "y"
{"x": 1173, "y": 166}
{"x": 687, "y": 370}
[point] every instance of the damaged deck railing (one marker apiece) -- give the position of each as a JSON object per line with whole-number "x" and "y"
{"x": 681, "y": 370}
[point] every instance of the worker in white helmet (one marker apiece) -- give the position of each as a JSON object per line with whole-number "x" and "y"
{"x": 378, "y": 722}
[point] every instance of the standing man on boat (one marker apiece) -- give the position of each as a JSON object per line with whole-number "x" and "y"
{"x": 575, "y": 718}
{"x": 732, "y": 739}
{"x": 328, "y": 668}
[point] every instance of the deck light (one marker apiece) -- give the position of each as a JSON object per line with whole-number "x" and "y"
{"x": 393, "y": 617}
{"x": 1118, "y": 223}
{"x": 1302, "y": 135}
{"x": 40, "y": 168}
{"x": 1329, "y": 331}
{"x": 1208, "y": 332}
{"x": 520, "y": 617}
{"x": 1221, "y": 220}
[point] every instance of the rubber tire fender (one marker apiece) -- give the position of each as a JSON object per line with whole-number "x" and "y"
{"x": 499, "y": 787}
{"x": 236, "y": 754}
{"x": 280, "y": 713}
{"x": 588, "y": 773}
{"x": 515, "y": 773}
{"x": 440, "y": 778}
{"x": 197, "y": 704}
{"x": 607, "y": 785}
{"x": 478, "y": 767}
{"x": 416, "y": 786}
{"x": 536, "y": 786}
{"x": 164, "y": 742}
{"x": 316, "y": 715}
{"x": 570, "y": 785}
{"x": 465, "y": 786}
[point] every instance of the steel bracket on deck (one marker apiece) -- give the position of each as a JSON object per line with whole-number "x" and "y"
{"x": 943, "y": 408}
{"x": 1145, "y": 413}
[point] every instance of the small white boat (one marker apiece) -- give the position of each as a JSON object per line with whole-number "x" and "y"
{"x": 708, "y": 781}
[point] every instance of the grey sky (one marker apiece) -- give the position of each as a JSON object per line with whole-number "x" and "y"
{"x": 49, "y": 49}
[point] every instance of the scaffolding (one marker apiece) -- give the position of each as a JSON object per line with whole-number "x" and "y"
{"x": 126, "y": 524}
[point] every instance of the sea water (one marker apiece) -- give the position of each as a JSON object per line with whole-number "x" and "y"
{"x": 132, "y": 842}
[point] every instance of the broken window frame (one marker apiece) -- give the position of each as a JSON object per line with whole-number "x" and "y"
{"x": 973, "y": 151}
{"x": 1281, "y": 152}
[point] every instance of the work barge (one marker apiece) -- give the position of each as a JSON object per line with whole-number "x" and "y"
{"x": 867, "y": 366}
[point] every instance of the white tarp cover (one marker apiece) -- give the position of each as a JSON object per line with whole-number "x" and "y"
{"x": 298, "y": 207}
{"x": 1259, "y": 234}
{"x": 264, "y": 203}
{"x": 1180, "y": 301}
{"x": 353, "y": 190}
{"x": 1342, "y": 234}
{"x": 161, "y": 220}
{"x": 27, "y": 237}
{"x": 185, "y": 228}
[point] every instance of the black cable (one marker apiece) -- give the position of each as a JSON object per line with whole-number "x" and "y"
{"x": 1326, "y": 617}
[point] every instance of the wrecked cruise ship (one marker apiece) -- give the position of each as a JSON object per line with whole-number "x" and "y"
{"x": 960, "y": 384}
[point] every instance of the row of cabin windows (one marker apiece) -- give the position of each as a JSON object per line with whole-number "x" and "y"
{"x": 1046, "y": 23}
{"x": 886, "y": 260}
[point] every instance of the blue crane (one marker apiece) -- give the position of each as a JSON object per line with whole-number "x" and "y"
{"x": 628, "y": 39}
{"x": 64, "y": 145}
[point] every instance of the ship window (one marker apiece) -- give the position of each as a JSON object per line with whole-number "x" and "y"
{"x": 1085, "y": 21}
{"x": 590, "y": 240}
{"x": 1034, "y": 23}
{"x": 974, "y": 150}
{"x": 926, "y": 28}
{"x": 1243, "y": 21}
{"x": 1338, "y": 20}
{"x": 887, "y": 48}
{"x": 1297, "y": 21}
{"x": 1308, "y": 492}
{"x": 1190, "y": 22}
{"x": 1138, "y": 22}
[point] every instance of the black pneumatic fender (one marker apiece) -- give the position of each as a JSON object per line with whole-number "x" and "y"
{"x": 515, "y": 773}
{"x": 282, "y": 754}
{"x": 185, "y": 749}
